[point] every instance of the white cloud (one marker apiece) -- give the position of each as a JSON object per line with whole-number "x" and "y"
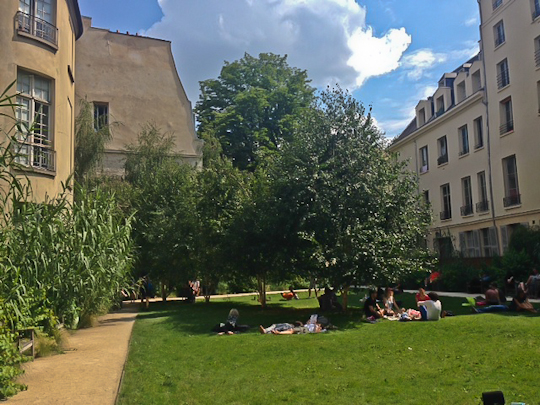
{"x": 417, "y": 63}
{"x": 329, "y": 38}
{"x": 471, "y": 21}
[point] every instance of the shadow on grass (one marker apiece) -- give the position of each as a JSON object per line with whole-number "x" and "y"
{"x": 201, "y": 317}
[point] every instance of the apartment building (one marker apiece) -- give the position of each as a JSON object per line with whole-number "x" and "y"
{"x": 132, "y": 80}
{"x": 475, "y": 144}
{"x": 37, "y": 45}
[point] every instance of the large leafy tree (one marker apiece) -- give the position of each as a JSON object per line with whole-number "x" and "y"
{"x": 253, "y": 106}
{"x": 352, "y": 202}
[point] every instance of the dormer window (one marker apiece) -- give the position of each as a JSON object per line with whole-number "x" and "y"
{"x": 461, "y": 93}
{"x": 35, "y": 18}
{"x": 440, "y": 106}
{"x": 421, "y": 117}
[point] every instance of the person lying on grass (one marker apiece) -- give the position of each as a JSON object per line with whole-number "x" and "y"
{"x": 430, "y": 308}
{"x": 313, "y": 325}
{"x": 521, "y": 303}
{"x": 372, "y": 310}
{"x": 290, "y": 294}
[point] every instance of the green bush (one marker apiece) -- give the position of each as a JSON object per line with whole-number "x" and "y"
{"x": 457, "y": 275}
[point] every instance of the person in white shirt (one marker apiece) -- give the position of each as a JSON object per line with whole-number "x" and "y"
{"x": 431, "y": 309}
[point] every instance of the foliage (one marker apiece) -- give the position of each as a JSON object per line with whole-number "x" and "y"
{"x": 163, "y": 200}
{"x": 351, "y": 201}
{"x": 57, "y": 259}
{"x": 346, "y": 366}
{"x": 526, "y": 240}
{"x": 90, "y": 140}
{"x": 253, "y": 107}
{"x": 457, "y": 275}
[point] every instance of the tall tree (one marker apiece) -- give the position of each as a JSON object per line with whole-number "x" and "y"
{"x": 352, "y": 200}
{"x": 253, "y": 106}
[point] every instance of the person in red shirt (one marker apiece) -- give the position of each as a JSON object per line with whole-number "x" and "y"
{"x": 421, "y": 295}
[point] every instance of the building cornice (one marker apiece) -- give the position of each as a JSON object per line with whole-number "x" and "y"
{"x": 75, "y": 13}
{"x": 441, "y": 119}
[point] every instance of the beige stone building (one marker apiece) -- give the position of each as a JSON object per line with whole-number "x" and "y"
{"x": 475, "y": 143}
{"x": 37, "y": 48}
{"x": 132, "y": 80}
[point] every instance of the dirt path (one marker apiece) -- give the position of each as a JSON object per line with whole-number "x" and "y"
{"x": 89, "y": 372}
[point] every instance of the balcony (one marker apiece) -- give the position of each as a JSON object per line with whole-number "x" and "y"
{"x": 537, "y": 57}
{"x": 482, "y": 206}
{"x": 446, "y": 215}
{"x": 507, "y": 127}
{"x": 442, "y": 159}
{"x": 36, "y": 27}
{"x": 467, "y": 210}
{"x": 503, "y": 79}
{"x": 514, "y": 199}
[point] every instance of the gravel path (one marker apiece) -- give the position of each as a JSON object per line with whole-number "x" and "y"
{"x": 90, "y": 370}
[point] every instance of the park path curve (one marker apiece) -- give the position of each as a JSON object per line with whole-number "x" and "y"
{"x": 89, "y": 372}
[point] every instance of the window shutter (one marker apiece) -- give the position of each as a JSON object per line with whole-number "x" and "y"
{"x": 504, "y": 237}
{"x": 462, "y": 244}
{"x": 492, "y": 239}
{"x": 476, "y": 241}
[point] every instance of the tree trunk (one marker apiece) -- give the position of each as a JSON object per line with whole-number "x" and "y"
{"x": 345, "y": 297}
{"x": 262, "y": 290}
{"x": 163, "y": 292}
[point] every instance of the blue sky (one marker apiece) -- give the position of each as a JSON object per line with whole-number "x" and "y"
{"x": 389, "y": 53}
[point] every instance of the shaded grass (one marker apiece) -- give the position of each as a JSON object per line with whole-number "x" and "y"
{"x": 175, "y": 359}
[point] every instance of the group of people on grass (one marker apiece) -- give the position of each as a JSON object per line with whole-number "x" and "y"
{"x": 495, "y": 301}
{"x": 429, "y": 307}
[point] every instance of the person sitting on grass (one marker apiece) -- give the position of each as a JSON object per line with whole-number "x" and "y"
{"x": 231, "y": 326}
{"x": 492, "y": 295}
{"x": 328, "y": 301}
{"x": 372, "y": 310}
{"x": 390, "y": 305}
{"x": 421, "y": 295}
{"x": 290, "y": 294}
{"x": 431, "y": 308}
{"x": 521, "y": 303}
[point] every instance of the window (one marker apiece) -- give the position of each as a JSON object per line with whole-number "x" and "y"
{"x": 498, "y": 32}
{"x": 507, "y": 119}
{"x": 463, "y": 140}
{"x": 34, "y": 113}
{"x": 446, "y": 212}
{"x": 538, "y": 92}
{"x": 443, "y": 151}
{"x": 478, "y": 133}
{"x": 461, "y": 93}
{"x": 467, "y": 208}
{"x": 440, "y": 106}
{"x": 476, "y": 81}
{"x": 101, "y": 115}
{"x": 424, "y": 159}
{"x": 511, "y": 187}
{"x": 421, "y": 117}
{"x": 503, "y": 76}
{"x": 470, "y": 243}
{"x": 483, "y": 204}
{"x": 496, "y": 3}
{"x": 537, "y": 51}
{"x": 426, "y": 197}
{"x": 536, "y": 9}
{"x": 489, "y": 242}
{"x": 35, "y": 17}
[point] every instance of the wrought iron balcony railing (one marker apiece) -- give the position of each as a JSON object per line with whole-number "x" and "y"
{"x": 467, "y": 210}
{"x": 442, "y": 159}
{"x": 446, "y": 215}
{"x": 537, "y": 57}
{"x": 36, "y": 27}
{"x": 514, "y": 199}
{"x": 482, "y": 206}
{"x": 507, "y": 127}
{"x": 503, "y": 79}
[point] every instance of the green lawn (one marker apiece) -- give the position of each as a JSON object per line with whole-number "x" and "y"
{"x": 174, "y": 359}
